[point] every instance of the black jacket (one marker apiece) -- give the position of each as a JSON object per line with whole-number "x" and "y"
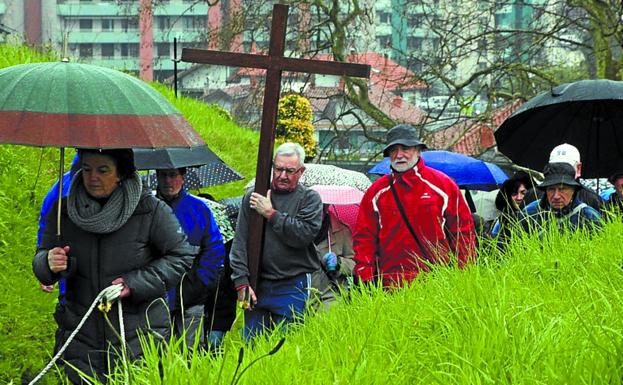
{"x": 149, "y": 251}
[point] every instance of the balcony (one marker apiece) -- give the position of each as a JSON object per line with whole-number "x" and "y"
{"x": 127, "y": 9}
{"x": 132, "y": 36}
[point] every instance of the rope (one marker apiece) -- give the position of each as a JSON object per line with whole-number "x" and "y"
{"x": 104, "y": 301}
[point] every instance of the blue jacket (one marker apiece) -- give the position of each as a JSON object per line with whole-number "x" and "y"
{"x": 51, "y": 198}
{"x": 198, "y": 223}
{"x": 576, "y": 215}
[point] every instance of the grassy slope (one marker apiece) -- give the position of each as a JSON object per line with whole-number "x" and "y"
{"x": 548, "y": 313}
{"x": 26, "y": 323}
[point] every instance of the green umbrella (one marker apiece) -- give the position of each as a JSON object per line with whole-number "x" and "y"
{"x": 65, "y": 104}
{"x": 62, "y": 104}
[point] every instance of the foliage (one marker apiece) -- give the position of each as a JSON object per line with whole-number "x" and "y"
{"x": 294, "y": 123}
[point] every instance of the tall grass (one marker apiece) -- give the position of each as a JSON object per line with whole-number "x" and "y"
{"x": 546, "y": 312}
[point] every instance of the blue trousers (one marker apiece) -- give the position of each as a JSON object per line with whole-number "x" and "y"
{"x": 277, "y": 301}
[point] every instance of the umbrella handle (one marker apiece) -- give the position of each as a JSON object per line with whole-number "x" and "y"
{"x": 61, "y": 171}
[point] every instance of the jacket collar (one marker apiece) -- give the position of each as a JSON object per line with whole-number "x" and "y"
{"x": 408, "y": 177}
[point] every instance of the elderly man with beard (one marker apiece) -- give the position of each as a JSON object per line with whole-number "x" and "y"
{"x": 293, "y": 218}
{"x": 411, "y": 218}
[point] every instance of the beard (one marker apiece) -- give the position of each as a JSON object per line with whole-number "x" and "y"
{"x": 403, "y": 166}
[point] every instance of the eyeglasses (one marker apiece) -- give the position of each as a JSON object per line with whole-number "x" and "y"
{"x": 288, "y": 171}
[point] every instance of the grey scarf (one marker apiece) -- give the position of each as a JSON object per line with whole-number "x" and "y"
{"x": 88, "y": 214}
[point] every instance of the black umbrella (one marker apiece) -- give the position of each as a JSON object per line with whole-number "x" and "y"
{"x": 168, "y": 158}
{"x": 587, "y": 114}
{"x": 208, "y": 175}
{"x": 212, "y": 171}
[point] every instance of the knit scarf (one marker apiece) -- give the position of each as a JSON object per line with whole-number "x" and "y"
{"x": 88, "y": 214}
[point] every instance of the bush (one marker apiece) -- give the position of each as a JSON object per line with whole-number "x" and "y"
{"x": 294, "y": 123}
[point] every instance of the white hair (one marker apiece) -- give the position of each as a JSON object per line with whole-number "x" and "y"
{"x": 289, "y": 149}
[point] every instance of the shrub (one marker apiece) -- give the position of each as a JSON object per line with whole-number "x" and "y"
{"x": 294, "y": 123}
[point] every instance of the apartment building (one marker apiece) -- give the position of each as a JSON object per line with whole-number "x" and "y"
{"x": 106, "y": 32}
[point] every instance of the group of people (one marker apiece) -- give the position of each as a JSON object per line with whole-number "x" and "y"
{"x": 168, "y": 255}
{"x": 560, "y": 199}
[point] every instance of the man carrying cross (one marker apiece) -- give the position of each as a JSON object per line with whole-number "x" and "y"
{"x": 294, "y": 217}
{"x": 274, "y": 63}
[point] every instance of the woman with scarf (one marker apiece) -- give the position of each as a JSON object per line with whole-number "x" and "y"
{"x": 112, "y": 232}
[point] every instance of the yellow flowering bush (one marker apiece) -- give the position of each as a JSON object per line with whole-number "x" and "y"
{"x": 294, "y": 123}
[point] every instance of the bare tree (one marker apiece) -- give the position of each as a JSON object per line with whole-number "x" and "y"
{"x": 473, "y": 53}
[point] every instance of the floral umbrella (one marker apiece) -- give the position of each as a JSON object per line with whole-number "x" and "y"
{"x": 329, "y": 175}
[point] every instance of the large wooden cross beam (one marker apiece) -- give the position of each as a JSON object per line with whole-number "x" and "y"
{"x": 274, "y": 63}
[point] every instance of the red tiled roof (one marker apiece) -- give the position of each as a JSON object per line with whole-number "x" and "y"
{"x": 472, "y": 136}
{"x": 385, "y": 73}
{"x": 394, "y": 106}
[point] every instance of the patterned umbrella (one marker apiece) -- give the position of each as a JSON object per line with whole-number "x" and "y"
{"x": 168, "y": 158}
{"x": 346, "y": 214}
{"x": 219, "y": 211}
{"x": 329, "y": 175}
{"x": 338, "y": 195}
{"x": 232, "y": 207}
{"x": 212, "y": 174}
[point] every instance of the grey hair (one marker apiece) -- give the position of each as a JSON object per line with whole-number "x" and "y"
{"x": 289, "y": 149}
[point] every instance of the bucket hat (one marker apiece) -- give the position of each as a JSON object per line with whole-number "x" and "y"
{"x": 557, "y": 174}
{"x": 402, "y": 134}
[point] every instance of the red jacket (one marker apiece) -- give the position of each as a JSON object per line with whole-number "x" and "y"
{"x": 437, "y": 212}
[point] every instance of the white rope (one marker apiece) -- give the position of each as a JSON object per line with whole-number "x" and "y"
{"x": 109, "y": 295}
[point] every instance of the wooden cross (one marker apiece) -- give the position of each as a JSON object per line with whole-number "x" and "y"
{"x": 274, "y": 63}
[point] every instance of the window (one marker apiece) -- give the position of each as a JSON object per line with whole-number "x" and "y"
{"x": 108, "y": 24}
{"x": 194, "y": 22}
{"x": 414, "y": 43}
{"x": 86, "y": 24}
{"x": 108, "y": 50}
{"x": 385, "y": 17}
{"x": 86, "y": 50}
{"x": 129, "y": 24}
{"x": 163, "y": 50}
{"x": 129, "y": 50}
{"x": 384, "y": 41}
{"x": 164, "y": 23}
{"x": 133, "y": 50}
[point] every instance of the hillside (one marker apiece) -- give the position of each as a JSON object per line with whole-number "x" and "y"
{"x": 26, "y": 173}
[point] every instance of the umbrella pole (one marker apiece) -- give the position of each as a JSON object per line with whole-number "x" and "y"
{"x": 470, "y": 201}
{"x": 61, "y": 171}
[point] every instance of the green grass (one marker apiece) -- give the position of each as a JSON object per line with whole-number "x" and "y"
{"x": 235, "y": 145}
{"x": 546, "y": 312}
